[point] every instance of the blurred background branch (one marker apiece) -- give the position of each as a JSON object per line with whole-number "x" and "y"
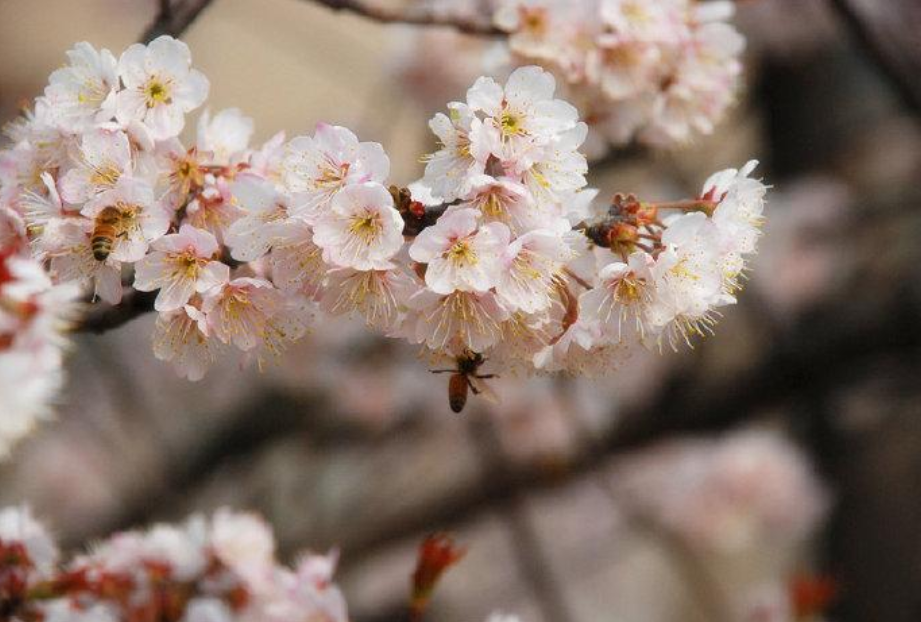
{"x": 889, "y": 32}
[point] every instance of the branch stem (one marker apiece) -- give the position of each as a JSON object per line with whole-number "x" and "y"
{"x": 415, "y": 18}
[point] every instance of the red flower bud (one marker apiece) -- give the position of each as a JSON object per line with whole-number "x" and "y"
{"x": 437, "y": 553}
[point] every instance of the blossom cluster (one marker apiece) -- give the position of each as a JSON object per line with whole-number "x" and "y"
{"x": 658, "y": 71}
{"x": 218, "y": 569}
{"x": 496, "y": 253}
{"x": 221, "y": 568}
{"x": 33, "y": 313}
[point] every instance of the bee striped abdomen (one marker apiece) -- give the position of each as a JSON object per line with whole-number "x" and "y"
{"x": 102, "y": 242}
{"x": 104, "y": 233}
{"x": 457, "y": 391}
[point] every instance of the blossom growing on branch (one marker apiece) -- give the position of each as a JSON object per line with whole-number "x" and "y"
{"x": 160, "y": 86}
{"x": 655, "y": 72}
{"x": 498, "y": 258}
{"x": 219, "y": 569}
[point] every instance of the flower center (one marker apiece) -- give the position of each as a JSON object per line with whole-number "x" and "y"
{"x": 93, "y": 93}
{"x": 156, "y": 92}
{"x": 366, "y": 227}
{"x": 492, "y": 206}
{"x": 105, "y": 176}
{"x": 332, "y": 175}
{"x": 188, "y": 265}
{"x": 629, "y": 290}
{"x": 461, "y": 253}
{"x": 511, "y": 124}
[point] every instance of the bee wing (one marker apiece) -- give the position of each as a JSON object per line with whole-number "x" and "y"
{"x": 483, "y": 390}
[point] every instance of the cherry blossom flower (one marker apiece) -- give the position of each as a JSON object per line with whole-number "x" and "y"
{"x": 238, "y": 311}
{"x": 457, "y": 322}
{"x": 317, "y": 167}
{"x": 688, "y": 277}
{"x": 460, "y": 254}
{"x": 182, "y": 264}
{"x": 104, "y": 157}
{"x": 244, "y": 543}
{"x": 70, "y": 250}
{"x": 83, "y": 92}
{"x": 660, "y": 71}
{"x": 33, "y": 315}
{"x": 740, "y": 205}
{"x": 160, "y": 86}
{"x": 214, "y": 208}
{"x": 361, "y": 230}
{"x": 502, "y": 200}
{"x": 622, "y": 297}
{"x": 265, "y": 220}
{"x": 450, "y": 170}
{"x": 297, "y": 262}
{"x": 523, "y": 113}
{"x": 39, "y": 209}
{"x": 529, "y": 265}
{"x": 18, "y": 524}
{"x": 225, "y": 136}
{"x": 376, "y": 295}
{"x": 182, "y": 337}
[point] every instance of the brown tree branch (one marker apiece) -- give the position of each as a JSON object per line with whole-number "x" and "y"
{"x": 889, "y": 32}
{"x": 174, "y": 18}
{"x": 415, "y": 18}
{"x": 102, "y": 317}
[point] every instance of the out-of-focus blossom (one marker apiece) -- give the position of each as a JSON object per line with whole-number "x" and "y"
{"x": 218, "y": 570}
{"x": 33, "y": 316}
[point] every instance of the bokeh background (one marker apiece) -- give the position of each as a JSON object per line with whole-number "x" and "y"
{"x": 695, "y": 486}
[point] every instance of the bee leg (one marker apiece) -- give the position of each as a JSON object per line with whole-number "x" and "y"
{"x": 475, "y": 390}
{"x": 442, "y": 371}
{"x": 486, "y": 376}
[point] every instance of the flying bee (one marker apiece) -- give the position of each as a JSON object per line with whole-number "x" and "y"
{"x": 106, "y": 229}
{"x": 465, "y": 376}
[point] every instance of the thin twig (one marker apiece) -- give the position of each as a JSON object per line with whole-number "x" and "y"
{"x": 391, "y": 16}
{"x": 102, "y": 318}
{"x": 578, "y": 279}
{"x": 174, "y": 18}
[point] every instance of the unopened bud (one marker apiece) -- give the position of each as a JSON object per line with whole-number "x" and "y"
{"x": 437, "y": 553}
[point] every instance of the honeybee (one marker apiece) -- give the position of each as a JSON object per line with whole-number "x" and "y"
{"x": 465, "y": 376}
{"x": 105, "y": 231}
